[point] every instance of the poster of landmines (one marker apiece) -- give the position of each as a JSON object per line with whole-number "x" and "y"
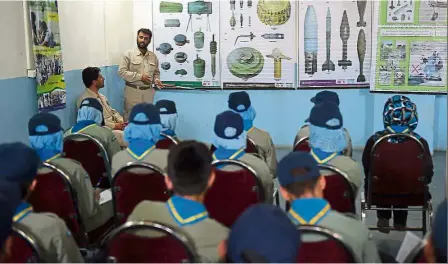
{"x": 186, "y": 42}
{"x": 411, "y": 47}
{"x": 334, "y": 43}
{"x": 258, "y": 44}
{"x": 44, "y": 20}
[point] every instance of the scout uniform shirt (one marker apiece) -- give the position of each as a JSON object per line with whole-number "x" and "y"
{"x": 317, "y": 211}
{"x": 93, "y": 215}
{"x": 191, "y": 216}
{"x": 52, "y": 236}
{"x": 305, "y": 132}
{"x": 135, "y": 64}
{"x": 264, "y": 142}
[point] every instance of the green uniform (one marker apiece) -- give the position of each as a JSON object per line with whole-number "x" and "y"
{"x": 154, "y": 156}
{"x": 264, "y": 141}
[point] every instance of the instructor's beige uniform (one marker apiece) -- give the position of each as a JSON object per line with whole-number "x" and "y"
{"x": 133, "y": 65}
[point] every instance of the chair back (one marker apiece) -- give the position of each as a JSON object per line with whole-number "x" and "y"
{"x": 24, "y": 248}
{"x": 302, "y": 145}
{"x": 130, "y": 188}
{"x": 166, "y": 141}
{"x": 338, "y": 190}
{"x": 332, "y": 249}
{"x": 163, "y": 244}
{"x": 92, "y": 155}
{"x": 54, "y": 193}
{"x": 233, "y": 191}
{"x": 396, "y": 171}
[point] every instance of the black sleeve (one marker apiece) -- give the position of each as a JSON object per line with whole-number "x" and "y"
{"x": 428, "y": 167}
{"x": 366, "y": 156}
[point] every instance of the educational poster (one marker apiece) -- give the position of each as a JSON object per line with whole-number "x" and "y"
{"x": 258, "y": 46}
{"x": 411, "y": 48}
{"x": 335, "y": 39}
{"x": 44, "y": 20}
{"x": 186, "y": 41}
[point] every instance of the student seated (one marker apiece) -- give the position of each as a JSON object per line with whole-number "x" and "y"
{"x": 328, "y": 141}
{"x": 240, "y": 103}
{"x": 90, "y": 121}
{"x": 230, "y": 142}
{"x": 325, "y": 97}
{"x": 10, "y": 198}
{"x": 168, "y": 117}
{"x": 262, "y": 234}
{"x": 190, "y": 175}
{"x": 19, "y": 165}
{"x": 302, "y": 185}
{"x": 436, "y": 249}
{"x": 142, "y": 134}
{"x": 399, "y": 116}
{"x": 46, "y": 138}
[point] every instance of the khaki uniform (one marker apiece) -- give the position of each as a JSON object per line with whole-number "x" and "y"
{"x": 157, "y": 157}
{"x": 53, "y": 238}
{"x": 103, "y": 135}
{"x": 206, "y": 234}
{"x": 264, "y": 141}
{"x": 133, "y": 65}
{"x": 93, "y": 214}
{"x": 111, "y": 116}
{"x": 305, "y": 132}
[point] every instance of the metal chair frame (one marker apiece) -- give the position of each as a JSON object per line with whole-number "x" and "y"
{"x": 257, "y": 148}
{"x": 29, "y": 239}
{"x": 174, "y": 140}
{"x": 300, "y": 141}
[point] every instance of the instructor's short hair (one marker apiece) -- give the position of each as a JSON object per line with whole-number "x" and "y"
{"x": 89, "y": 75}
{"x": 189, "y": 167}
{"x": 145, "y": 31}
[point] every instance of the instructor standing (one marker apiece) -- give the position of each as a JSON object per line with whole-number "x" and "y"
{"x": 140, "y": 69}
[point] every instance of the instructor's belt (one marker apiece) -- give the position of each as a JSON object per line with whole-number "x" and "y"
{"x": 138, "y": 87}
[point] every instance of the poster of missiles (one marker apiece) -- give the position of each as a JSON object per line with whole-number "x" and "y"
{"x": 334, "y": 44}
{"x": 186, "y": 41}
{"x": 411, "y": 49}
{"x": 258, "y": 44}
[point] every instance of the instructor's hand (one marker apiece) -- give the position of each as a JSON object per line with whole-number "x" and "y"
{"x": 120, "y": 126}
{"x": 159, "y": 83}
{"x": 146, "y": 79}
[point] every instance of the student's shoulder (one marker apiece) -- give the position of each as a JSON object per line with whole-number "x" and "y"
{"x": 67, "y": 164}
{"x": 353, "y": 223}
{"x": 44, "y": 221}
{"x": 145, "y": 205}
{"x": 216, "y": 226}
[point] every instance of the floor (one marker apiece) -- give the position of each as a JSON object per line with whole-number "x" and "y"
{"x": 391, "y": 242}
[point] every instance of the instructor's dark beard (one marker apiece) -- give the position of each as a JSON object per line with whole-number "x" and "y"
{"x": 141, "y": 44}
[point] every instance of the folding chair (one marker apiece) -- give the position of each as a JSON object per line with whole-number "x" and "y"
{"x": 92, "y": 155}
{"x": 167, "y": 142}
{"x": 233, "y": 191}
{"x": 302, "y": 145}
{"x": 392, "y": 183}
{"x": 417, "y": 254}
{"x": 24, "y": 247}
{"x": 332, "y": 249}
{"x": 130, "y": 187}
{"x": 339, "y": 192}
{"x": 163, "y": 244}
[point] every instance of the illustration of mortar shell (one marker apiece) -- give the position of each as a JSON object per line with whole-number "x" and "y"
{"x": 361, "y": 46}
{"x": 172, "y": 23}
{"x": 274, "y": 13}
{"x": 344, "y": 32}
{"x": 232, "y": 21}
{"x": 273, "y": 36}
{"x": 241, "y": 4}
{"x": 278, "y": 57}
{"x": 199, "y": 39}
{"x": 328, "y": 64}
{"x": 310, "y": 39}
{"x": 245, "y": 62}
{"x": 213, "y": 50}
{"x": 170, "y": 7}
{"x": 361, "y": 11}
{"x": 241, "y": 20}
{"x": 232, "y": 4}
{"x": 198, "y": 67}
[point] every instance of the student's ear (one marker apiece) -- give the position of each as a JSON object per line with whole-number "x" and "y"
{"x": 168, "y": 183}
{"x": 32, "y": 186}
{"x": 322, "y": 182}
{"x": 211, "y": 180}
{"x": 222, "y": 249}
{"x": 285, "y": 194}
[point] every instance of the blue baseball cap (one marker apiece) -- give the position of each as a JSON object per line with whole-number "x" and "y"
{"x": 326, "y": 115}
{"x": 18, "y": 162}
{"x": 239, "y": 101}
{"x": 263, "y": 233}
{"x": 325, "y": 97}
{"x": 439, "y": 232}
{"x": 44, "y": 124}
{"x": 166, "y": 107}
{"x": 228, "y": 125}
{"x": 297, "y": 166}
{"x": 149, "y": 110}
{"x": 10, "y": 198}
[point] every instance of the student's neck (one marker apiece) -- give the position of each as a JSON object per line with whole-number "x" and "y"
{"x": 308, "y": 195}
{"x": 198, "y": 198}
{"x": 143, "y": 51}
{"x": 94, "y": 89}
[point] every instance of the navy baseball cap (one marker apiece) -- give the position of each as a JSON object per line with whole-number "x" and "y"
{"x": 44, "y": 124}
{"x": 325, "y": 97}
{"x": 439, "y": 232}
{"x": 263, "y": 233}
{"x": 166, "y": 107}
{"x": 149, "y": 110}
{"x": 92, "y": 102}
{"x": 10, "y": 198}
{"x": 326, "y": 115}
{"x": 18, "y": 162}
{"x": 239, "y": 101}
{"x": 228, "y": 125}
{"x": 297, "y": 166}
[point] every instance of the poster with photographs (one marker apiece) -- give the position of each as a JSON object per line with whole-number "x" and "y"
{"x": 44, "y": 20}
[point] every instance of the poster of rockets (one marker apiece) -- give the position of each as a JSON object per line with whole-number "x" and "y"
{"x": 186, "y": 42}
{"x": 334, "y": 43}
{"x": 258, "y": 44}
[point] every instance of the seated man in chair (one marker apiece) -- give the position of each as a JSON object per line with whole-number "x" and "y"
{"x": 190, "y": 175}
{"x": 302, "y": 185}
{"x": 168, "y": 117}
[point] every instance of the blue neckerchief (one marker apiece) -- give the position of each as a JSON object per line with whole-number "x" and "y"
{"x": 248, "y": 124}
{"x": 48, "y": 154}
{"x": 308, "y": 211}
{"x": 22, "y": 211}
{"x": 185, "y": 211}
{"x": 82, "y": 124}
{"x": 323, "y": 157}
{"x": 169, "y": 132}
{"x": 139, "y": 148}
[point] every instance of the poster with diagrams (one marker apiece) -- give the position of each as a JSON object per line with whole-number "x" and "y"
{"x": 411, "y": 47}
{"x": 258, "y": 44}
{"x": 334, "y": 43}
{"x": 186, "y": 41}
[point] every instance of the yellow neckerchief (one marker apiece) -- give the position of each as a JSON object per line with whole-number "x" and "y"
{"x": 393, "y": 131}
{"x": 189, "y": 219}
{"x": 313, "y": 220}
{"x": 324, "y": 160}
{"x": 82, "y": 129}
{"x": 135, "y": 156}
{"x": 250, "y": 129}
{"x": 233, "y": 156}
{"x": 54, "y": 157}
{"x": 18, "y": 216}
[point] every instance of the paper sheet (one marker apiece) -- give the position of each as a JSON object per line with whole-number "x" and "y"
{"x": 105, "y": 196}
{"x": 410, "y": 241}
